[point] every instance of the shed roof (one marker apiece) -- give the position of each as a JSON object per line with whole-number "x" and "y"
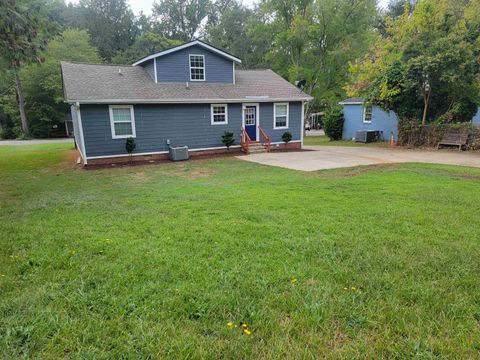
{"x": 353, "y": 101}
{"x": 89, "y": 83}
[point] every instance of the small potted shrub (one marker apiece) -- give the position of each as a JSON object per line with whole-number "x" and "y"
{"x": 287, "y": 137}
{"x": 130, "y": 146}
{"x": 228, "y": 139}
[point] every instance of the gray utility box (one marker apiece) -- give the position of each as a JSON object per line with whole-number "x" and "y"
{"x": 178, "y": 153}
{"x": 368, "y": 136}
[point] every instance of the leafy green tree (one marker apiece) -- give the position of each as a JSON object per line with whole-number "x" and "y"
{"x": 43, "y": 90}
{"x": 231, "y": 31}
{"x": 427, "y": 65}
{"x": 180, "y": 20}
{"x": 316, "y": 41}
{"x": 110, "y": 23}
{"x": 21, "y": 41}
{"x": 147, "y": 44}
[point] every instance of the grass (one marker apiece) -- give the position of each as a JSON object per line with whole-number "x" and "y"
{"x": 325, "y": 141}
{"x": 155, "y": 261}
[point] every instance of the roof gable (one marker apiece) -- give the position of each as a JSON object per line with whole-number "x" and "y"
{"x": 187, "y": 45}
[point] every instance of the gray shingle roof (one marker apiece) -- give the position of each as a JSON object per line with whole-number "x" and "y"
{"x": 88, "y": 83}
{"x": 357, "y": 100}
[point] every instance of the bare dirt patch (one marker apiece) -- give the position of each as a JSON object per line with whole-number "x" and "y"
{"x": 193, "y": 173}
{"x": 357, "y": 171}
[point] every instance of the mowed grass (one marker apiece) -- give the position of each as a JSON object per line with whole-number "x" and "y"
{"x": 154, "y": 261}
{"x": 325, "y": 141}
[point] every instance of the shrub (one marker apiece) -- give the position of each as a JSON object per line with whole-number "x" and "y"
{"x": 7, "y": 133}
{"x": 228, "y": 139}
{"x": 287, "y": 137}
{"x": 130, "y": 145}
{"x": 333, "y": 123}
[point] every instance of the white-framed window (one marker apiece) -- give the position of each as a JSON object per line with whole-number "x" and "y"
{"x": 219, "y": 114}
{"x": 280, "y": 116}
{"x": 367, "y": 113}
{"x": 197, "y": 67}
{"x": 122, "y": 121}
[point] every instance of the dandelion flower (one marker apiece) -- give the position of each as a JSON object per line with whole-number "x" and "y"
{"x": 244, "y": 326}
{"x": 294, "y": 280}
{"x": 247, "y": 332}
{"x": 230, "y": 325}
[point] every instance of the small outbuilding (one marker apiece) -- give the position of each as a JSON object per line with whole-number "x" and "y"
{"x": 361, "y": 116}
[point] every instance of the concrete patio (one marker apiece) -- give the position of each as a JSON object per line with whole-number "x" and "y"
{"x": 332, "y": 157}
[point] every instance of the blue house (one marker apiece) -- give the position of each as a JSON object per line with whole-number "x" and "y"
{"x": 188, "y": 95}
{"x": 360, "y": 116}
{"x": 476, "y": 118}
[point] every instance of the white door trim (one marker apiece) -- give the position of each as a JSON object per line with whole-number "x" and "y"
{"x": 257, "y": 117}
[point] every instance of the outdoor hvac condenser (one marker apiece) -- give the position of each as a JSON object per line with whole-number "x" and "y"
{"x": 178, "y": 153}
{"x": 367, "y": 136}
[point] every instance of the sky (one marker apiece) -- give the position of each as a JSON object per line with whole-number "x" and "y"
{"x": 146, "y": 5}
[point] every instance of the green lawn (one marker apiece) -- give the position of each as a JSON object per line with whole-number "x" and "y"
{"x": 325, "y": 141}
{"x": 155, "y": 261}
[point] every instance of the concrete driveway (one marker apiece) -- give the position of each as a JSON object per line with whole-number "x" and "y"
{"x": 332, "y": 157}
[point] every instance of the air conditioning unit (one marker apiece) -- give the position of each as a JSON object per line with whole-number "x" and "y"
{"x": 178, "y": 153}
{"x": 368, "y": 136}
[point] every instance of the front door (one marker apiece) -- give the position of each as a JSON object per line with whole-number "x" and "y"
{"x": 251, "y": 122}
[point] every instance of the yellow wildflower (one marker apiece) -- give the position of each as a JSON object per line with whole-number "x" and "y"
{"x": 294, "y": 280}
{"x": 247, "y": 332}
{"x": 354, "y": 288}
{"x": 230, "y": 325}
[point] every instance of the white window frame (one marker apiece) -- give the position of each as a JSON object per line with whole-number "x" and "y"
{"x": 275, "y": 127}
{"x": 226, "y": 114}
{"x": 112, "y": 122}
{"x": 365, "y": 121}
{"x": 196, "y": 67}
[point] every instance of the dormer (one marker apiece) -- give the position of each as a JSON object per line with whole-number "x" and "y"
{"x": 195, "y": 62}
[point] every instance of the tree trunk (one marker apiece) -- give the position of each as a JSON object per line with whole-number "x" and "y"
{"x": 21, "y": 103}
{"x": 426, "y": 101}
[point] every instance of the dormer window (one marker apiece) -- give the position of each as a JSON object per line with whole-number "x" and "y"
{"x": 197, "y": 68}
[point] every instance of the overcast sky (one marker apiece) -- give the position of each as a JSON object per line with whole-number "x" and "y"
{"x": 146, "y": 5}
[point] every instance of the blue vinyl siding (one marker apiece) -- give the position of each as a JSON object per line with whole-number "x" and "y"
{"x": 182, "y": 124}
{"x": 381, "y": 120}
{"x": 476, "y": 118}
{"x": 295, "y": 121}
{"x": 149, "y": 68}
{"x": 175, "y": 67}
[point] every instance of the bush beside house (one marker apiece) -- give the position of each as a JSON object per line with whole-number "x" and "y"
{"x": 333, "y": 123}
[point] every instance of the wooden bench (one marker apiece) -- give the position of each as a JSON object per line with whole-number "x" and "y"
{"x": 454, "y": 138}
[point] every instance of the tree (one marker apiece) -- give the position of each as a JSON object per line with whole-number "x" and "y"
{"x": 316, "y": 41}
{"x": 426, "y": 67}
{"x": 42, "y": 84}
{"x": 230, "y": 31}
{"x": 180, "y": 20}
{"x": 147, "y": 44}
{"x": 21, "y": 41}
{"x": 110, "y": 23}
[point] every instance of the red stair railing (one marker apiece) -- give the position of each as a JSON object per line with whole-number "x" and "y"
{"x": 265, "y": 140}
{"x": 245, "y": 141}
